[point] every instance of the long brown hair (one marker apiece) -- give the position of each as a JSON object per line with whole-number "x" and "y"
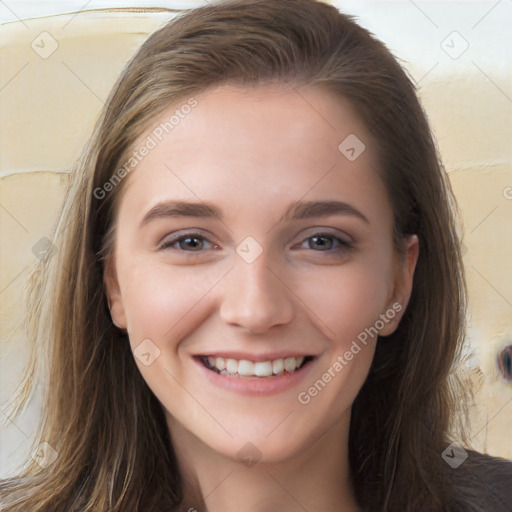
{"x": 108, "y": 429}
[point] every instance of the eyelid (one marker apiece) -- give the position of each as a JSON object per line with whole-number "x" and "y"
{"x": 343, "y": 237}
{"x": 167, "y": 242}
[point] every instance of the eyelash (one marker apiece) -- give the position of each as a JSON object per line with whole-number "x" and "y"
{"x": 343, "y": 244}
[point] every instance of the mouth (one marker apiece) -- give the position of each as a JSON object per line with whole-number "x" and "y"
{"x": 247, "y": 369}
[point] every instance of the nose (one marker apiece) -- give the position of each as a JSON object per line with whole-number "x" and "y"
{"x": 255, "y": 298}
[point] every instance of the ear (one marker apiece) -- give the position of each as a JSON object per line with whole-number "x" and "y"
{"x": 114, "y": 298}
{"x": 402, "y": 287}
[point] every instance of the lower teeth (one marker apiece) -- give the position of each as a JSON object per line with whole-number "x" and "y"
{"x": 236, "y": 375}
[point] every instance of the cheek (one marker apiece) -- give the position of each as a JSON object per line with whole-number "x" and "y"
{"x": 160, "y": 299}
{"x": 346, "y": 299}
{"x": 347, "y": 302}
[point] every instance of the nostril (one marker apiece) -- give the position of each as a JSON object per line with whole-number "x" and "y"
{"x": 505, "y": 363}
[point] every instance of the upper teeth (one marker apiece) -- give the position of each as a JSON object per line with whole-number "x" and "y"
{"x": 257, "y": 369}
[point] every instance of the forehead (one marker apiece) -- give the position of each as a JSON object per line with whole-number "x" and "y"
{"x": 268, "y": 142}
{"x": 278, "y": 110}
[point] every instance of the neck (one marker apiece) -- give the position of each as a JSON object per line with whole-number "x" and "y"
{"x": 317, "y": 478}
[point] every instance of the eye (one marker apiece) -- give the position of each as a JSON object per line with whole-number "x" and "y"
{"x": 189, "y": 242}
{"x": 326, "y": 242}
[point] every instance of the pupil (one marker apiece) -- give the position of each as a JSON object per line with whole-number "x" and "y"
{"x": 322, "y": 245}
{"x": 193, "y": 242}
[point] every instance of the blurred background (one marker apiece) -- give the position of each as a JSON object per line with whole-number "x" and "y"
{"x": 59, "y": 60}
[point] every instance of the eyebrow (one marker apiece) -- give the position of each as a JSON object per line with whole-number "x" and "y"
{"x": 296, "y": 211}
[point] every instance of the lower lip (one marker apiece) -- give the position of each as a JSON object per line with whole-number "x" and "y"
{"x": 257, "y": 386}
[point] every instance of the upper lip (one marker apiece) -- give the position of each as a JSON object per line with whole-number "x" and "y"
{"x": 265, "y": 356}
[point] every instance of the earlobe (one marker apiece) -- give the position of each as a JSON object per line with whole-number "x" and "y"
{"x": 113, "y": 294}
{"x": 402, "y": 289}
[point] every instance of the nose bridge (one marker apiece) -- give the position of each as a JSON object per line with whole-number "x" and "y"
{"x": 254, "y": 297}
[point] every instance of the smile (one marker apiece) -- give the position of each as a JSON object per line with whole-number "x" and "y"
{"x": 246, "y": 368}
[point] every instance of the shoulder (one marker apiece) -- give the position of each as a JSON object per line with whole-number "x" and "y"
{"x": 487, "y": 480}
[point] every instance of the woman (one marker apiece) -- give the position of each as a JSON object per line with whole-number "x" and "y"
{"x": 260, "y": 296}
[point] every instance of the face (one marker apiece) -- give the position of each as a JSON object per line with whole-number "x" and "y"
{"x": 254, "y": 265}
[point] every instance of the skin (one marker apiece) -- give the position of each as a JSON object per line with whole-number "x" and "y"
{"x": 253, "y": 152}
